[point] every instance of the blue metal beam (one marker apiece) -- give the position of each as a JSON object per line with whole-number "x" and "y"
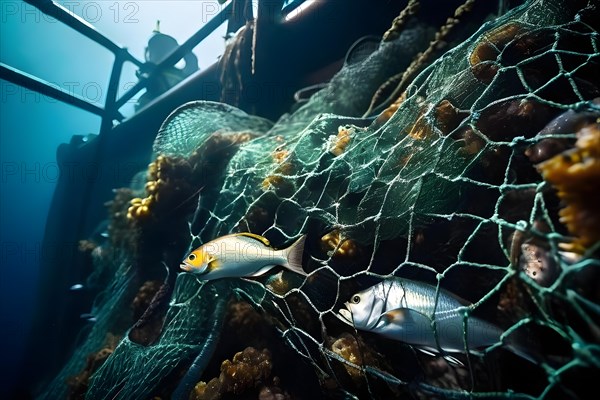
{"x": 74, "y": 21}
{"x": 31, "y": 82}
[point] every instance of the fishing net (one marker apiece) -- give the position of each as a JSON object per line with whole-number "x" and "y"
{"x": 482, "y": 182}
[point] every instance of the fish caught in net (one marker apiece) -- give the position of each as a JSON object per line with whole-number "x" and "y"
{"x": 475, "y": 195}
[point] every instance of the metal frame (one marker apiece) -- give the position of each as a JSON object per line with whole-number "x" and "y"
{"x": 110, "y": 111}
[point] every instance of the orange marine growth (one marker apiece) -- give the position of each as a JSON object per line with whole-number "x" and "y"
{"x": 167, "y": 187}
{"x": 484, "y": 57}
{"x": 390, "y": 110}
{"x": 340, "y": 142}
{"x": 280, "y": 154}
{"x": 575, "y": 174}
{"x": 277, "y": 180}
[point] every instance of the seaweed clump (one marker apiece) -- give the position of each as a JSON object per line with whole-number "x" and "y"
{"x": 575, "y": 173}
{"x": 149, "y": 307}
{"x": 78, "y": 384}
{"x": 144, "y": 297}
{"x": 355, "y": 351}
{"x": 173, "y": 184}
{"x": 168, "y": 185}
{"x": 247, "y": 371}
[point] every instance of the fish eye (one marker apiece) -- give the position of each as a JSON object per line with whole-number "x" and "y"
{"x": 355, "y": 299}
{"x": 192, "y": 257}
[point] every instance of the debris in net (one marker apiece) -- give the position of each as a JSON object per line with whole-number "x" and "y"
{"x": 568, "y": 124}
{"x": 78, "y": 384}
{"x": 507, "y": 119}
{"x": 169, "y": 185}
{"x": 575, "y": 174}
{"x": 354, "y": 350}
{"x": 249, "y": 370}
{"x": 486, "y": 53}
{"x": 538, "y": 263}
{"x": 335, "y": 245}
{"x": 148, "y": 306}
{"x": 402, "y": 80}
{"x": 532, "y": 254}
{"x": 338, "y": 144}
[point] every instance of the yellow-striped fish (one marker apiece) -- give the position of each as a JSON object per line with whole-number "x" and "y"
{"x": 242, "y": 254}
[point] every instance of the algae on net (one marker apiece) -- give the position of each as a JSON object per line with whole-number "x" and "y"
{"x": 436, "y": 192}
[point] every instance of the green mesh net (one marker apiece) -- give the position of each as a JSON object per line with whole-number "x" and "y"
{"x": 444, "y": 190}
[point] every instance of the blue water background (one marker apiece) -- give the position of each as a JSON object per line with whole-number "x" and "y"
{"x": 32, "y": 126}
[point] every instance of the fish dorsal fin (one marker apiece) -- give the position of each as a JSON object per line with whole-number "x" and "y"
{"x": 261, "y": 239}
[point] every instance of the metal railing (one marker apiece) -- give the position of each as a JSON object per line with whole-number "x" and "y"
{"x": 110, "y": 111}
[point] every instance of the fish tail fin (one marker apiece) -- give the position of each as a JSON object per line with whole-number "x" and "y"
{"x": 293, "y": 255}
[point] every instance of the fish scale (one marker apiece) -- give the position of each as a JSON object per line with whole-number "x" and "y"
{"x": 421, "y": 297}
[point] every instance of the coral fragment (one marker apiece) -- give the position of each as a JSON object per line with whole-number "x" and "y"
{"x": 339, "y": 143}
{"x": 484, "y": 57}
{"x": 575, "y": 174}
{"x": 247, "y": 370}
{"x": 334, "y": 244}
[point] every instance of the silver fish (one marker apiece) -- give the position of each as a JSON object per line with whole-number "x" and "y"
{"x": 242, "y": 254}
{"x": 406, "y": 310}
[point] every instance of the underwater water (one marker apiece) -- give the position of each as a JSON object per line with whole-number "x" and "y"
{"x": 432, "y": 210}
{"x": 32, "y": 126}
